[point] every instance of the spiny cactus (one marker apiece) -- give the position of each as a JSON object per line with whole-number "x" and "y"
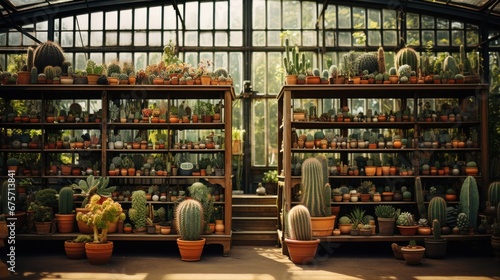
{"x": 66, "y": 200}
{"x": 189, "y": 219}
{"x": 327, "y": 189}
{"x": 367, "y": 61}
{"x": 34, "y": 75}
{"x": 494, "y": 192}
{"x": 436, "y": 229}
{"x": 425, "y": 66}
{"x": 463, "y": 222}
{"x": 465, "y": 64}
{"x": 138, "y": 212}
{"x": 405, "y": 219}
{"x": 48, "y": 53}
{"x": 437, "y": 210}
{"x": 29, "y": 57}
{"x": 200, "y": 192}
{"x": 450, "y": 64}
{"x": 314, "y": 189}
{"x": 381, "y": 60}
{"x": 407, "y": 56}
{"x": 469, "y": 200}
{"x": 419, "y": 197}
{"x": 299, "y": 221}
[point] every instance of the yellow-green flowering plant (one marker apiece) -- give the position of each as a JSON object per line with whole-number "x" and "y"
{"x": 100, "y": 216}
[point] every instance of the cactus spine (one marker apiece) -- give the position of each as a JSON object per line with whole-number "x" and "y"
{"x": 138, "y": 212}
{"x": 407, "y": 56}
{"x": 437, "y": 210}
{"x": 201, "y": 193}
{"x": 189, "y": 219}
{"x": 436, "y": 229}
{"x": 419, "y": 197}
{"x": 327, "y": 189}
{"x": 48, "y": 53}
{"x": 29, "y": 58}
{"x": 367, "y": 61}
{"x": 66, "y": 200}
{"x": 463, "y": 222}
{"x": 469, "y": 200}
{"x": 381, "y": 60}
{"x": 299, "y": 220}
{"x": 494, "y": 193}
{"x": 313, "y": 188}
{"x": 425, "y": 67}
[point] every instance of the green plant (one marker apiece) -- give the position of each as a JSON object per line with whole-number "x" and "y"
{"x": 450, "y": 64}
{"x": 93, "y": 68}
{"x": 299, "y": 221}
{"x": 291, "y": 62}
{"x": 100, "y": 216}
{"x": 494, "y": 193}
{"x": 82, "y": 238}
{"x": 48, "y": 53}
{"x": 408, "y": 56}
{"x": 66, "y": 200}
{"x": 344, "y": 220}
{"x": 189, "y": 219}
{"x": 12, "y": 162}
{"x": 200, "y": 192}
{"x": 469, "y": 200}
{"x": 34, "y": 75}
{"x": 463, "y": 222}
{"x": 381, "y": 60}
{"x": 92, "y": 185}
{"x": 405, "y": 219}
{"x": 315, "y": 193}
{"x": 138, "y": 212}
{"x": 357, "y": 215}
{"x": 41, "y": 213}
{"x": 419, "y": 198}
{"x": 367, "y": 62}
{"x": 365, "y": 187}
{"x": 386, "y": 211}
{"x": 436, "y": 229}
{"x": 46, "y": 197}
{"x": 270, "y": 176}
{"x": 437, "y": 210}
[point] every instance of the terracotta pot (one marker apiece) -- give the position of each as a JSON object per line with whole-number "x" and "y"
{"x": 302, "y": 251}
{"x": 65, "y": 222}
{"x": 82, "y": 226}
{"x": 424, "y": 230}
{"x": 322, "y": 226}
{"x": 74, "y": 250}
{"x": 43, "y": 227}
{"x": 386, "y": 226}
{"x": 345, "y": 229}
{"x": 413, "y": 255}
{"x": 190, "y": 250}
{"x": 408, "y": 230}
{"x": 99, "y": 253}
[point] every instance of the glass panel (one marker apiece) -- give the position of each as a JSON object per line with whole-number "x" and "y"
{"x": 191, "y": 15}
{"x": 359, "y": 38}
{"x": 82, "y": 39}
{"x": 258, "y": 134}
{"x": 111, "y": 38}
{"x": 472, "y": 38}
{"x": 258, "y": 14}
{"x": 140, "y": 60}
{"x": 140, "y": 38}
{"x": 236, "y": 39}
{"x": 272, "y": 114}
{"x": 345, "y": 39}
{"x": 169, "y": 18}
{"x": 413, "y": 38}
{"x": 83, "y": 22}
{"x": 126, "y": 20}
{"x": 154, "y": 38}
{"x": 108, "y": 57}
{"x": 206, "y": 19}
{"x": 96, "y": 21}
{"x": 457, "y": 25}
{"x": 309, "y": 14}
{"x": 96, "y": 39}
{"x": 236, "y": 14}
{"x": 273, "y": 38}
{"x": 274, "y": 15}
{"x": 374, "y": 19}
{"x": 259, "y": 38}
{"x": 140, "y": 16}
{"x": 3, "y": 39}
{"x": 66, "y": 39}
{"x": 191, "y": 38}
{"x": 329, "y": 39}
{"x": 374, "y": 38}
{"x": 67, "y": 23}
{"x": 274, "y": 76}
{"x": 443, "y": 38}
{"x": 458, "y": 37}
{"x": 154, "y": 58}
{"x": 344, "y": 14}
{"x": 42, "y": 25}
{"x": 111, "y": 20}
{"x": 27, "y": 41}
{"x": 442, "y": 23}
{"x": 330, "y": 17}
{"x": 427, "y": 22}
{"x": 427, "y": 36}
{"x": 412, "y": 21}
{"x": 358, "y": 18}
{"x": 309, "y": 38}
{"x": 125, "y": 38}
{"x": 390, "y": 38}
{"x": 221, "y": 15}
{"x": 155, "y": 14}
{"x": 389, "y": 19}
{"x": 259, "y": 69}
{"x": 221, "y": 39}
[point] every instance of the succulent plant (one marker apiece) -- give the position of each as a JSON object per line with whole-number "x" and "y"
{"x": 405, "y": 219}
{"x": 189, "y": 219}
{"x": 299, "y": 221}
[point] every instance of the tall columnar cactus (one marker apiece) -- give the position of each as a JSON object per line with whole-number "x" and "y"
{"x": 419, "y": 197}
{"x": 437, "y": 210}
{"x": 469, "y": 200}
{"x": 436, "y": 229}
{"x": 367, "y": 61}
{"x": 138, "y": 212}
{"x": 450, "y": 64}
{"x": 327, "y": 193}
{"x": 494, "y": 193}
{"x": 313, "y": 188}
{"x": 29, "y": 57}
{"x": 407, "y": 56}
{"x": 465, "y": 65}
{"x": 299, "y": 221}
{"x": 425, "y": 67}
{"x": 48, "y": 53}
{"x": 381, "y": 60}
{"x": 34, "y": 75}
{"x": 189, "y": 219}
{"x": 66, "y": 200}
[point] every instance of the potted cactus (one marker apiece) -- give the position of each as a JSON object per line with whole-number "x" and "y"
{"x": 413, "y": 253}
{"x": 300, "y": 242}
{"x": 435, "y": 246}
{"x": 406, "y": 224}
{"x": 66, "y": 216}
{"x": 138, "y": 212}
{"x": 189, "y": 224}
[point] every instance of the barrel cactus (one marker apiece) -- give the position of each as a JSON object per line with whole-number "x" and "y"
{"x": 299, "y": 221}
{"x": 469, "y": 200}
{"x": 66, "y": 200}
{"x": 189, "y": 219}
{"x": 200, "y": 192}
{"x": 450, "y": 64}
{"x": 463, "y": 222}
{"x": 494, "y": 193}
{"x": 437, "y": 210}
{"x": 314, "y": 189}
{"x": 138, "y": 212}
{"x": 405, "y": 219}
{"x": 407, "y": 56}
{"x": 48, "y": 53}
{"x": 367, "y": 61}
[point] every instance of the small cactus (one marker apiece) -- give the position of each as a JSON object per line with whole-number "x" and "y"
{"x": 66, "y": 200}
{"x": 463, "y": 222}
{"x": 436, "y": 229}
{"x": 299, "y": 221}
{"x": 405, "y": 219}
{"x": 437, "y": 210}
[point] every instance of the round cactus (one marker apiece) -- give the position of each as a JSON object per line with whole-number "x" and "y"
{"x": 494, "y": 192}
{"x": 437, "y": 210}
{"x": 450, "y": 64}
{"x": 407, "y": 56}
{"x": 299, "y": 221}
{"x": 367, "y": 61}
{"x": 189, "y": 219}
{"x": 48, "y": 53}
{"x": 344, "y": 220}
{"x": 405, "y": 219}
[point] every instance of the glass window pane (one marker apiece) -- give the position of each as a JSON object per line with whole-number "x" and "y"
{"x": 126, "y": 20}
{"x": 236, "y": 14}
{"x": 221, "y": 39}
{"x": 413, "y": 38}
{"x": 412, "y": 21}
{"x": 83, "y": 22}
{"x": 374, "y": 19}
{"x": 96, "y": 39}
{"x": 427, "y": 36}
{"x": 458, "y": 37}
{"x": 140, "y": 38}
{"x": 389, "y": 19}
{"x": 154, "y": 15}
{"x": 3, "y": 39}
{"x": 259, "y": 38}
{"x": 273, "y": 15}
{"x": 345, "y": 16}
{"x": 309, "y": 38}
{"x": 374, "y": 38}
{"x": 125, "y": 38}
{"x": 14, "y": 39}
{"x": 274, "y": 77}
{"x": 273, "y": 38}
{"x": 390, "y": 38}
{"x": 443, "y": 38}
{"x": 472, "y": 38}
{"x": 191, "y": 15}
{"x": 259, "y": 69}
{"x": 169, "y": 18}
{"x": 96, "y": 21}
{"x": 111, "y": 38}
{"x": 329, "y": 38}
{"x": 66, "y": 39}
{"x": 27, "y": 41}
{"x": 330, "y": 17}
{"x": 191, "y": 38}
{"x": 140, "y": 60}
{"x": 82, "y": 39}
{"x": 236, "y": 38}
{"x": 309, "y": 14}
{"x": 358, "y": 18}
{"x": 206, "y": 19}
{"x": 442, "y": 23}
{"x": 221, "y": 15}
{"x": 42, "y": 25}
{"x": 112, "y": 20}
{"x": 345, "y": 39}
{"x": 258, "y": 134}
{"x": 67, "y": 23}
{"x": 427, "y": 22}
{"x": 140, "y": 16}
{"x": 258, "y": 14}
{"x": 154, "y": 38}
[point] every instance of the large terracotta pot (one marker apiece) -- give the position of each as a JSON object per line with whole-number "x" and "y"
{"x": 65, "y": 222}
{"x": 322, "y": 226}
{"x": 99, "y": 253}
{"x": 74, "y": 250}
{"x": 408, "y": 230}
{"x": 190, "y": 250}
{"x": 386, "y": 226}
{"x": 43, "y": 227}
{"x": 413, "y": 255}
{"x": 302, "y": 251}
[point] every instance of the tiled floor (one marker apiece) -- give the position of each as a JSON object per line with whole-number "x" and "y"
{"x": 155, "y": 260}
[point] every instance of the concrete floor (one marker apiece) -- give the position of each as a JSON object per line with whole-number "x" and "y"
{"x": 155, "y": 260}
